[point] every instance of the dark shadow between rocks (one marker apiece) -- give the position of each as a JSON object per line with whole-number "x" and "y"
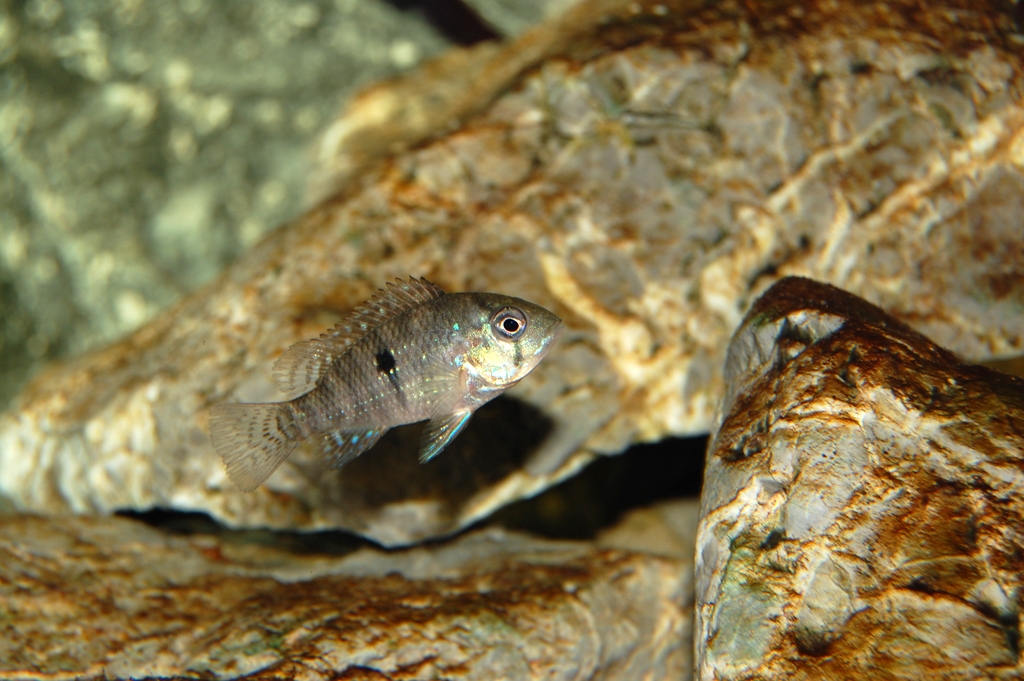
{"x": 579, "y": 508}
{"x": 325, "y": 542}
{"x": 454, "y": 19}
{"x": 582, "y": 506}
{"x": 498, "y": 441}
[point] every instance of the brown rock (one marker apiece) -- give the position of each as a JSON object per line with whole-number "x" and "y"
{"x": 664, "y": 529}
{"x": 863, "y": 514}
{"x": 645, "y": 172}
{"x": 112, "y": 598}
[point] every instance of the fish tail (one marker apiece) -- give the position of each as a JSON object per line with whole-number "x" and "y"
{"x": 253, "y": 439}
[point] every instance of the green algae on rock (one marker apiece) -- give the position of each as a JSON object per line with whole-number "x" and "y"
{"x": 144, "y": 145}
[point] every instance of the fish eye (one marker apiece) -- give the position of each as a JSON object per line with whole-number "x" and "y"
{"x": 509, "y": 323}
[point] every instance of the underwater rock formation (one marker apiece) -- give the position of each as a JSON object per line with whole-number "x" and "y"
{"x": 144, "y": 145}
{"x": 862, "y": 514}
{"x": 112, "y": 598}
{"x": 644, "y": 172}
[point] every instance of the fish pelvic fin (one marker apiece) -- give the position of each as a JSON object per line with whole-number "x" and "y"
{"x": 300, "y": 367}
{"x": 439, "y": 433}
{"x": 338, "y": 447}
{"x": 253, "y": 440}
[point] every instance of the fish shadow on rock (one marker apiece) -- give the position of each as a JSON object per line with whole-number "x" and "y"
{"x": 500, "y": 439}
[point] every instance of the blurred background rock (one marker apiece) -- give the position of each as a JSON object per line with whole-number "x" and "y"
{"x": 512, "y": 17}
{"x": 145, "y": 145}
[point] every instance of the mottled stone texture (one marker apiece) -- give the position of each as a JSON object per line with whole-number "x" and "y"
{"x": 863, "y": 506}
{"x": 644, "y": 170}
{"x": 513, "y": 17}
{"x": 111, "y": 598}
{"x": 143, "y": 145}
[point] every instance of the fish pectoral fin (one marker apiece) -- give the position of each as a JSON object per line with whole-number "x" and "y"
{"x": 439, "y": 433}
{"x": 338, "y": 447}
{"x": 444, "y": 387}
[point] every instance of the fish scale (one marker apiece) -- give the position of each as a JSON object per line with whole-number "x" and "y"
{"x": 384, "y": 395}
{"x": 411, "y": 353}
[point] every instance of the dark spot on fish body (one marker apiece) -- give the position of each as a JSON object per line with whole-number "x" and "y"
{"x": 386, "y": 365}
{"x": 385, "y": 361}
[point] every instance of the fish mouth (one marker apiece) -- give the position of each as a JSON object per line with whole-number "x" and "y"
{"x": 553, "y": 336}
{"x": 542, "y": 351}
{"x": 556, "y": 331}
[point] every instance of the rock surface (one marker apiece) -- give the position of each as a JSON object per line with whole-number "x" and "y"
{"x": 513, "y": 17}
{"x": 112, "y": 598}
{"x": 645, "y": 173}
{"x": 863, "y": 505}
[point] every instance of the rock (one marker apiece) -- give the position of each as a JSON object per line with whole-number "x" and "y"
{"x": 646, "y": 173}
{"x": 863, "y": 514}
{"x": 144, "y": 145}
{"x": 513, "y": 17}
{"x": 1008, "y": 365}
{"x": 112, "y": 598}
{"x": 665, "y": 529}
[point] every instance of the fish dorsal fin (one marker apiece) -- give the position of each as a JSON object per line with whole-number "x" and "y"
{"x": 401, "y": 296}
{"x": 300, "y": 367}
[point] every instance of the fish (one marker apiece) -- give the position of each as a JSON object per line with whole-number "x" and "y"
{"x": 411, "y": 353}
